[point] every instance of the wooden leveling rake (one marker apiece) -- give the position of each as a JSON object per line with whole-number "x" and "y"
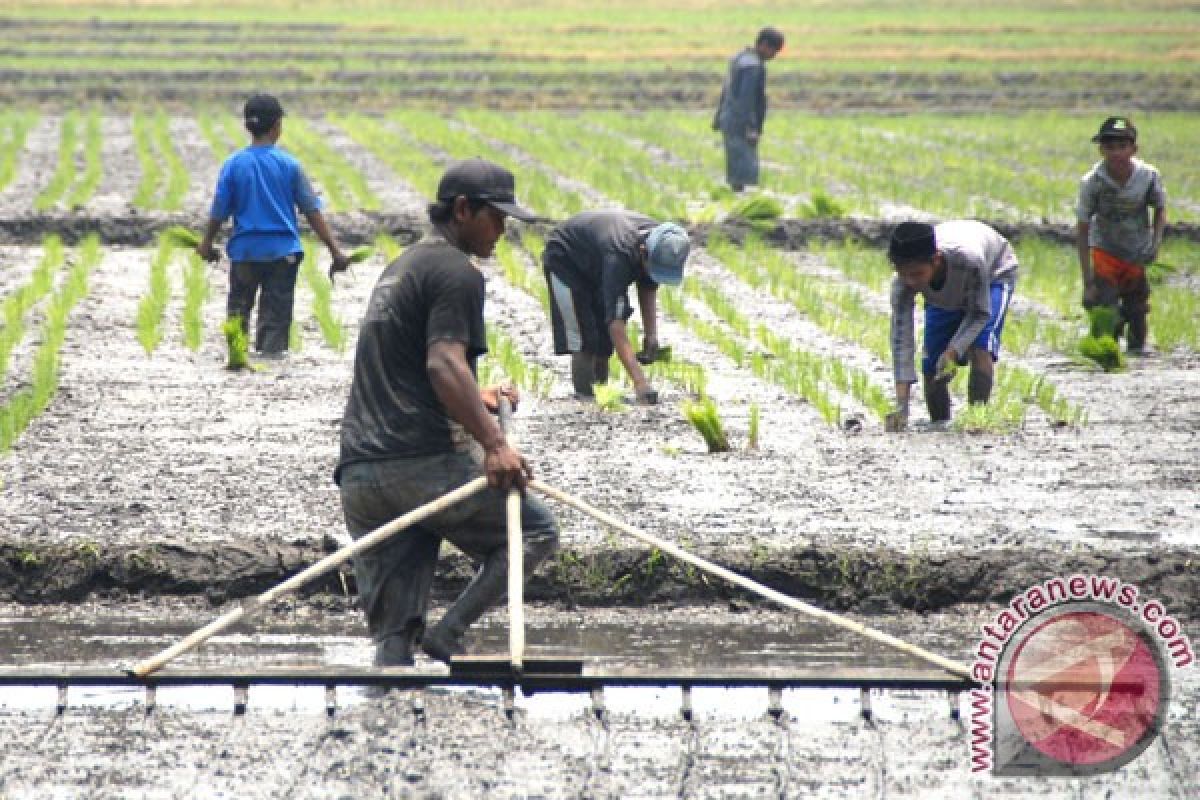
{"x": 516, "y": 666}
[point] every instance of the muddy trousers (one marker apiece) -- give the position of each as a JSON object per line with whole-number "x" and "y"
{"x": 273, "y": 283}
{"x": 394, "y": 579}
{"x": 741, "y": 161}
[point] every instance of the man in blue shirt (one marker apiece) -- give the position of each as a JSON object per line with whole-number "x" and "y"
{"x": 261, "y": 186}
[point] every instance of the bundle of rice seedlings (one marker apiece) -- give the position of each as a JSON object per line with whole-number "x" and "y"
{"x": 822, "y": 205}
{"x": 1104, "y": 350}
{"x": 759, "y": 210}
{"x": 1102, "y": 321}
{"x": 1158, "y": 272}
{"x": 180, "y": 236}
{"x": 609, "y": 397}
{"x": 238, "y": 344}
{"x": 703, "y": 416}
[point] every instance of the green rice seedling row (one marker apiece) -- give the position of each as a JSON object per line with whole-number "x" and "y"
{"x": 18, "y": 303}
{"x": 459, "y": 140}
{"x": 403, "y": 157}
{"x": 28, "y": 402}
{"x": 64, "y": 173}
{"x": 153, "y": 305}
{"x": 330, "y": 325}
{"x": 345, "y": 187}
{"x": 213, "y": 133}
{"x": 14, "y": 128}
{"x": 93, "y": 169}
{"x": 196, "y": 290}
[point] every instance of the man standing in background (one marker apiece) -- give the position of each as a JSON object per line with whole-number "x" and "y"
{"x": 743, "y": 108}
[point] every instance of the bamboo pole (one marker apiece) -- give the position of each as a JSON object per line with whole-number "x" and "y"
{"x": 746, "y": 583}
{"x": 198, "y": 637}
{"x": 516, "y": 555}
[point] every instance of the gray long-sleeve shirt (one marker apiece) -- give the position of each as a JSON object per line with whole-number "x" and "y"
{"x": 743, "y": 106}
{"x": 976, "y": 257}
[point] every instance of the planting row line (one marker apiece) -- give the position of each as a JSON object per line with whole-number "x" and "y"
{"x": 26, "y": 403}
{"x": 669, "y": 165}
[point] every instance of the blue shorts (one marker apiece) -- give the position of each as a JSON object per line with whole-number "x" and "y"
{"x": 942, "y": 323}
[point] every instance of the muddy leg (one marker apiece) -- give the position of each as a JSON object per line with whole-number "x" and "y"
{"x": 583, "y": 373}
{"x": 600, "y": 369}
{"x": 937, "y": 399}
{"x": 979, "y": 381}
{"x": 1136, "y": 340}
{"x": 1135, "y": 304}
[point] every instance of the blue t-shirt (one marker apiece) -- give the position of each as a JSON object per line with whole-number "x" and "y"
{"x": 261, "y": 187}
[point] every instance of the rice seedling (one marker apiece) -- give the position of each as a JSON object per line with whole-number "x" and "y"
{"x": 195, "y": 294}
{"x": 27, "y": 403}
{"x": 820, "y": 205}
{"x": 390, "y": 248}
{"x": 1103, "y": 350}
{"x": 1173, "y": 322}
{"x": 345, "y": 186}
{"x": 360, "y": 254}
{"x": 178, "y": 179}
{"x": 64, "y": 173}
{"x": 758, "y": 210}
{"x": 703, "y": 416}
{"x": 19, "y": 302}
{"x": 221, "y": 146}
{"x": 755, "y": 423}
{"x": 92, "y": 171}
{"x": 143, "y": 142}
{"x": 518, "y": 273}
{"x": 985, "y": 418}
{"x": 181, "y": 237}
{"x": 401, "y": 155}
{"x": 154, "y": 302}
{"x": 1102, "y": 321}
{"x": 237, "y": 344}
{"x": 14, "y": 129}
{"x": 610, "y": 397}
{"x": 504, "y": 358}
{"x": 331, "y": 327}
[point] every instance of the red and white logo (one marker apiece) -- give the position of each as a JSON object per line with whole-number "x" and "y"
{"x": 1081, "y": 690}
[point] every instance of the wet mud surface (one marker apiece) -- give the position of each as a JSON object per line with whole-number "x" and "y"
{"x": 460, "y": 743}
{"x": 166, "y": 474}
{"x": 167, "y": 482}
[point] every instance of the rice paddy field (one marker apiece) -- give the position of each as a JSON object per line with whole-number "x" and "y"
{"x": 135, "y": 466}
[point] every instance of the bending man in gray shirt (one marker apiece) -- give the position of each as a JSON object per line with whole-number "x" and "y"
{"x": 966, "y": 272}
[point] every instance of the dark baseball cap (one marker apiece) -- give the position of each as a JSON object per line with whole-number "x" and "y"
{"x": 911, "y": 241}
{"x": 1116, "y": 128}
{"x": 262, "y": 111}
{"x": 477, "y": 179}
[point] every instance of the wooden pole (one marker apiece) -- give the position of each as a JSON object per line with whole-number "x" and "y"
{"x": 765, "y": 591}
{"x": 516, "y": 556}
{"x": 198, "y": 637}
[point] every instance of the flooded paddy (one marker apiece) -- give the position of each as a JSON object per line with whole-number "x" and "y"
{"x": 460, "y": 743}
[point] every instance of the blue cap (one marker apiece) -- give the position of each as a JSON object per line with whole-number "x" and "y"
{"x": 667, "y": 249}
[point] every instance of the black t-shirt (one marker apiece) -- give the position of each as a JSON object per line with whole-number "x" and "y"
{"x": 432, "y": 292}
{"x": 598, "y": 253}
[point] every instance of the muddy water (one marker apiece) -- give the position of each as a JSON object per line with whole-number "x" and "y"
{"x": 441, "y": 743}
